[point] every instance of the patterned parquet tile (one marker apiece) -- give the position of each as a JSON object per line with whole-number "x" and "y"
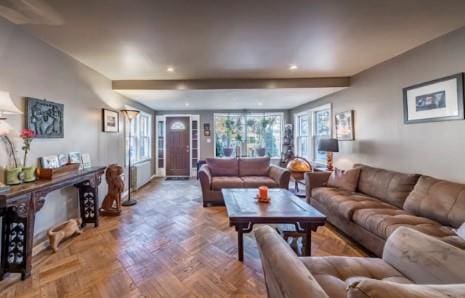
{"x": 167, "y": 245}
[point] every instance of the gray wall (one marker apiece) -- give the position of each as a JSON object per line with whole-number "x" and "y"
{"x": 207, "y": 149}
{"x": 435, "y": 149}
{"x": 30, "y": 68}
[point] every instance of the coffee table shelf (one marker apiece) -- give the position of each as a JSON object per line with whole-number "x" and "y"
{"x": 244, "y": 211}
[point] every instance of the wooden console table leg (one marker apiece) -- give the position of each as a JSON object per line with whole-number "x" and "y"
{"x": 17, "y": 236}
{"x": 88, "y": 201}
{"x": 241, "y": 229}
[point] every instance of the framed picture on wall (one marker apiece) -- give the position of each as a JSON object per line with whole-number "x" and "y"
{"x": 110, "y": 121}
{"x": 345, "y": 126}
{"x": 45, "y": 118}
{"x": 438, "y": 100}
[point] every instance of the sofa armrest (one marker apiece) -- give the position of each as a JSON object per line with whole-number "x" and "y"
{"x": 205, "y": 177}
{"x": 423, "y": 258}
{"x": 280, "y": 175}
{"x": 314, "y": 180}
{"x": 285, "y": 274}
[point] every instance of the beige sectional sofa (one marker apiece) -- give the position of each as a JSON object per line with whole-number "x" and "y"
{"x": 413, "y": 265}
{"x": 386, "y": 200}
{"x": 219, "y": 173}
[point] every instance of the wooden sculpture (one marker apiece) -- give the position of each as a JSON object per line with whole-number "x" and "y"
{"x": 63, "y": 231}
{"x": 112, "y": 202}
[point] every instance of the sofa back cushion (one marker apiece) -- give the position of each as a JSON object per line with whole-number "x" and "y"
{"x": 439, "y": 200}
{"x": 223, "y": 166}
{"x": 388, "y": 186}
{"x": 346, "y": 180}
{"x": 259, "y": 166}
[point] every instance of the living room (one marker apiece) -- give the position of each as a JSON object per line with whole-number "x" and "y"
{"x": 280, "y": 149}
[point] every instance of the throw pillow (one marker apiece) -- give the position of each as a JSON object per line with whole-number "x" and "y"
{"x": 346, "y": 180}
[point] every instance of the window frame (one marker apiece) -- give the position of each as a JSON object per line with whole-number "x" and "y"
{"x": 140, "y": 133}
{"x": 243, "y": 116}
{"x": 312, "y": 137}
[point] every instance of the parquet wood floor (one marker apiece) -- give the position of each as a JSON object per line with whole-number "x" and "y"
{"x": 167, "y": 245}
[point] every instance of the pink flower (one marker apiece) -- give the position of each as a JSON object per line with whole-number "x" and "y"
{"x": 27, "y": 133}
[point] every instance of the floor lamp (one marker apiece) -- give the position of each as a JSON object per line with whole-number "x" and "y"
{"x": 129, "y": 114}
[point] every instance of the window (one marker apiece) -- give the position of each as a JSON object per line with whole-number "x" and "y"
{"x": 140, "y": 142}
{"x": 311, "y": 126}
{"x": 247, "y": 132}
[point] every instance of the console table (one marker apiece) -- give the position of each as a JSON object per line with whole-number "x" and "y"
{"x": 19, "y": 205}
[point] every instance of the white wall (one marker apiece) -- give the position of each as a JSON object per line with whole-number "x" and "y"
{"x": 31, "y": 68}
{"x": 381, "y": 137}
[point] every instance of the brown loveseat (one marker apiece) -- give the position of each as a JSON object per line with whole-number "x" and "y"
{"x": 385, "y": 200}
{"x": 219, "y": 173}
{"x": 413, "y": 265}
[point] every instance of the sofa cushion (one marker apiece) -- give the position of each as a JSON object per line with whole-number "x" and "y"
{"x": 438, "y": 199}
{"x": 223, "y": 166}
{"x": 346, "y": 180}
{"x": 219, "y": 183}
{"x": 335, "y": 274}
{"x": 254, "y": 166}
{"x": 391, "y": 187}
{"x": 257, "y": 181}
{"x": 371, "y": 288}
{"x": 345, "y": 203}
{"x": 383, "y": 222}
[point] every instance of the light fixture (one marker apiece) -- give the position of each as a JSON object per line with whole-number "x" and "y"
{"x": 170, "y": 69}
{"x": 129, "y": 114}
{"x": 6, "y": 105}
{"x": 186, "y": 104}
{"x": 293, "y": 67}
{"x": 260, "y": 103}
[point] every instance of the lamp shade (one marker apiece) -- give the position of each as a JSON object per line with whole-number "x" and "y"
{"x": 130, "y": 114}
{"x": 328, "y": 145}
{"x": 6, "y": 104}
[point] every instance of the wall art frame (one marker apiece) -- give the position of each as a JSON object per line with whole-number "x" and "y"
{"x": 45, "y": 118}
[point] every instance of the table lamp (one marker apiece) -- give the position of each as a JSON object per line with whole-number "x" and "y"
{"x": 329, "y": 146}
{"x": 130, "y": 115}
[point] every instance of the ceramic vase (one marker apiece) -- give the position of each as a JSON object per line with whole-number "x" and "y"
{"x": 29, "y": 174}
{"x": 13, "y": 176}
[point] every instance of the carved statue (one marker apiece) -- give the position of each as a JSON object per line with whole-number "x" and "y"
{"x": 112, "y": 202}
{"x": 63, "y": 231}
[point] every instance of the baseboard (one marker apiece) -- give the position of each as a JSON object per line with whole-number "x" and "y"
{"x": 40, "y": 247}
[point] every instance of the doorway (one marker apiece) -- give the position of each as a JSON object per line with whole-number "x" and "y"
{"x": 178, "y": 146}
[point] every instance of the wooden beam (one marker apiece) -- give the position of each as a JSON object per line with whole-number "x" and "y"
{"x": 205, "y": 84}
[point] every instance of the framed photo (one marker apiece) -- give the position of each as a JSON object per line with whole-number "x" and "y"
{"x": 86, "y": 163}
{"x": 45, "y": 118}
{"x": 62, "y": 159}
{"x": 206, "y": 129}
{"x": 438, "y": 100}
{"x": 110, "y": 121}
{"x": 50, "y": 162}
{"x": 74, "y": 157}
{"x": 345, "y": 126}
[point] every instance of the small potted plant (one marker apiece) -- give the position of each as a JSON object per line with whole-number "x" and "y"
{"x": 28, "y": 171}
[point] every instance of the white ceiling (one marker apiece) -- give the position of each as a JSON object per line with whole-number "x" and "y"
{"x": 232, "y": 99}
{"x": 139, "y": 39}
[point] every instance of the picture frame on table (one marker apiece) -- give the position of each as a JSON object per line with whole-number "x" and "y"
{"x": 437, "y": 100}
{"x": 50, "y": 162}
{"x": 75, "y": 157}
{"x": 344, "y": 122}
{"x": 63, "y": 159}
{"x": 110, "y": 121}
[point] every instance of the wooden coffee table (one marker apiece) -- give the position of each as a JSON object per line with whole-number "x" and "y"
{"x": 285, "y": 208}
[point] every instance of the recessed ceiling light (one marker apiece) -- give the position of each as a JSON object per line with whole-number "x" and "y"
{"x": 260, "y": 103}
{"x": 170, "y": 69}
{"x": 186, "y": 104}
{"x": 293, "y": 67}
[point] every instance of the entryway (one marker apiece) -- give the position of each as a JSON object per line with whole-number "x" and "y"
{"x": 177, "y": 146}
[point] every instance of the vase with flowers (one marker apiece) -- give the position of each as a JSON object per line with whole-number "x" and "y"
{"x": 28, "y": 172}
{"x": 12, "y": 170}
